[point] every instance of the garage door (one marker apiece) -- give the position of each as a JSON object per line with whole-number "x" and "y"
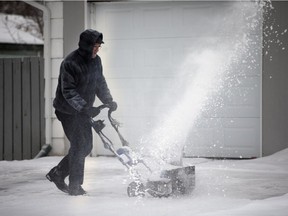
{"x": 186, "y": 75}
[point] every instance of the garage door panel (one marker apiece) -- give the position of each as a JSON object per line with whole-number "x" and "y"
{"x": 126, "y": 60}
{"x": 130, "y": 21}
{"x": 140, "y": 93}
{"x": 238, "y": 98}
{"x": 152, "y": 57}
{"x": 145, "y": 84}
{"x": 157, "y": 18}
{"x": 193, "y": 16}
{"x": 205, "y": 138}
{"x": 164, "y": 58}
{"x": 244, "y": 99}
{"x": 120, "y": 21}
{"x": 232, "y": 137}
{"x": 241, "y": 136}
{"x": 149, "y": 58}
{"x": 144, "y": 20}
{"x": 230, "y": 18}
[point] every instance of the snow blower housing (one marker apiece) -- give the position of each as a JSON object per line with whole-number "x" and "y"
{"x": 173, "y": 181}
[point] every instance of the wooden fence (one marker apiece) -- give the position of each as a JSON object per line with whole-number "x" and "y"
{"x": 21, "y": 108}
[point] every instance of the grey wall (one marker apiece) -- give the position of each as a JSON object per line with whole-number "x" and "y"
{"x": 73, "y": 24}
{"x": 275, "y": 82}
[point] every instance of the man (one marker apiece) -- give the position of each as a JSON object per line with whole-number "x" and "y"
{"x": 80, "y": 80}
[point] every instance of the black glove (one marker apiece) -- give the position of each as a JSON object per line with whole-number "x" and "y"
{"x": 92, "y": 111}
{"x": 112, "y": 105}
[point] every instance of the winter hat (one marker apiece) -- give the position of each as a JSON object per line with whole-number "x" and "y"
{"x": 87, "y": 40}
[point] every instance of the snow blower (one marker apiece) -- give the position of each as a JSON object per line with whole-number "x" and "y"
{"x": 173, "y": 181}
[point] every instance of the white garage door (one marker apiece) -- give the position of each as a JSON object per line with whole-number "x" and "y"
{"x": 186, "y": 74}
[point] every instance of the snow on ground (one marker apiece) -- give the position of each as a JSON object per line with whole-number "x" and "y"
{"x": 223, "y": 187}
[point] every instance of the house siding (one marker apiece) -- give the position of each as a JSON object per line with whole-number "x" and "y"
{"x": 57, "y": 44}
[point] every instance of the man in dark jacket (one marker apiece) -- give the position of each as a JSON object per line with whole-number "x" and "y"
{"x": 80, "y": 80}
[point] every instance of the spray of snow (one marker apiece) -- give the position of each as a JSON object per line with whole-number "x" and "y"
{"x": 168, "y": 137}
{"x": 201, "y": 76}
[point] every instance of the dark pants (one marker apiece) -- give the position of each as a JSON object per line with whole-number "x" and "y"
{"x": 78, "y": 130}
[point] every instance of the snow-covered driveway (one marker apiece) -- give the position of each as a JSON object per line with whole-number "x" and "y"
{"x": 223, "y": 187}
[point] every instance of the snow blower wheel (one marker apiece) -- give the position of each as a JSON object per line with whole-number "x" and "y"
{"x": 136, "y": 189}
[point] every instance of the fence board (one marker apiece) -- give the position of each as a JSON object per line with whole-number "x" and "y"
{"x": 35, "y": 106}
{"x": 1, "y": 108}
{"x": 17, "y": 123}
{"x": 26, "y": 109}
{"x": 8, "y": 127}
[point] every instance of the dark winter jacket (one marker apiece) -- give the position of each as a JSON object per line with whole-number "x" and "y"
{"x": 81, "y": 78}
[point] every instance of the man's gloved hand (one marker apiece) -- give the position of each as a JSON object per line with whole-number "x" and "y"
{"x": 112, "y": 105}
{"x": 92, "y": 111}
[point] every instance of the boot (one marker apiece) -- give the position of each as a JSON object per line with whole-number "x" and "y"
{"x": 55, "y": 176}
{"x": 75, "y": 190}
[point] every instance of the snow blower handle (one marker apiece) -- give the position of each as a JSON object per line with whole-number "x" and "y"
{"x": 115, "y": 124}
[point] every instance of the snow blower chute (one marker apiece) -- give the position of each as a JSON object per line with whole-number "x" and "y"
{"x": 173, "y": 181}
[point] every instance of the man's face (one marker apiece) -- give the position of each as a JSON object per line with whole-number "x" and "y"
{"x": 96, "y": 48}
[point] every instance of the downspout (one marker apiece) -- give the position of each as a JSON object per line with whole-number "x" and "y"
{"x": 47, "y": 76}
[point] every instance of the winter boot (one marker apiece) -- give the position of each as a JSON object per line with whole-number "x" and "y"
{"x": 55, "y": 176}
{"x": 75, "y": 190}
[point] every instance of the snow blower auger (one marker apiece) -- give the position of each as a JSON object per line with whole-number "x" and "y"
{"x": 174, "y": 181}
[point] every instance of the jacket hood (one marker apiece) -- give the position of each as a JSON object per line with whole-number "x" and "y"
{"x": 87, "y": 40}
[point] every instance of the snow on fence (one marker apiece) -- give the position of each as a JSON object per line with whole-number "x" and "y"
{"x": 21, "y": 108}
